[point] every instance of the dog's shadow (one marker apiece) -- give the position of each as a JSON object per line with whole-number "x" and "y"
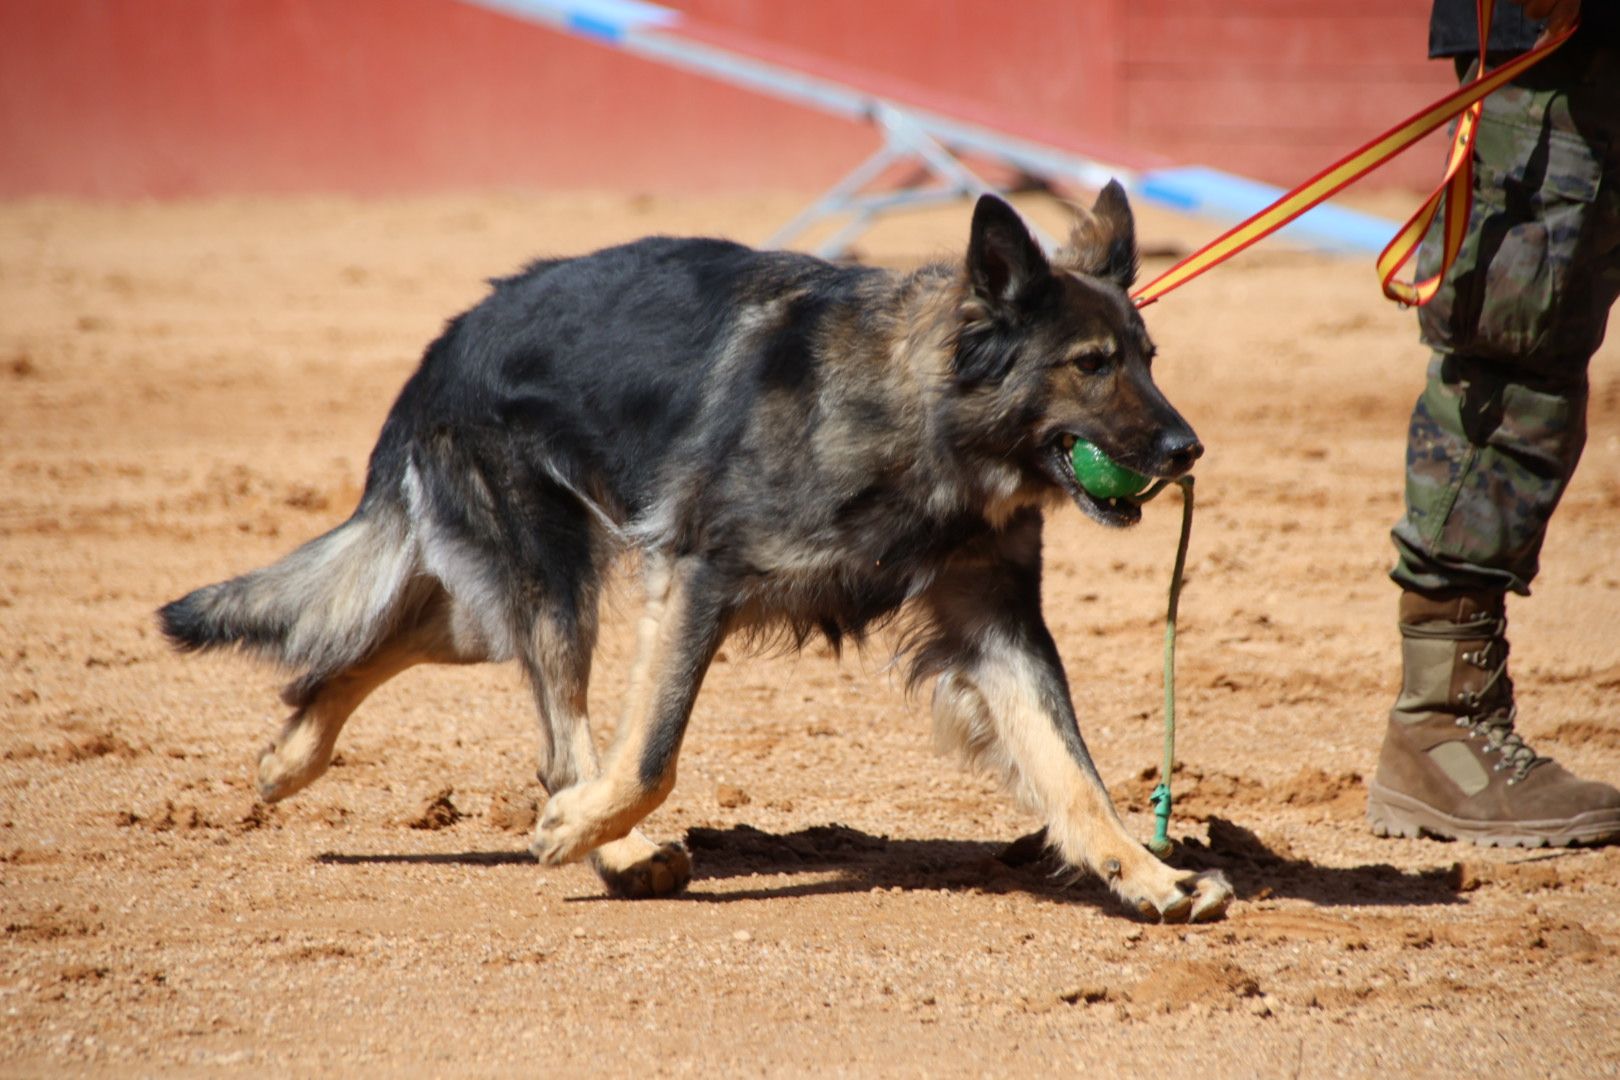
{"x": 863, "y": 862}
{"x": 846, "y": 860}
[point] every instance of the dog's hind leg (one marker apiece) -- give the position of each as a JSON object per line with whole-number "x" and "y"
{"x": 302, "y": 750}
{"x": 557, "y": 660}
{"x": 1002, "y": 701}
{"x": 677, "y": 636}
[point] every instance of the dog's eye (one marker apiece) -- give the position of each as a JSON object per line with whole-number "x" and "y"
{"x": 1092, "y": 363}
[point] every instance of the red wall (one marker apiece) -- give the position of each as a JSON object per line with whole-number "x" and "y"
{"x": 178, "y": 97}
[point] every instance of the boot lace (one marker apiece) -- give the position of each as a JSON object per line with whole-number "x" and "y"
{"x": 1490, "y": 710}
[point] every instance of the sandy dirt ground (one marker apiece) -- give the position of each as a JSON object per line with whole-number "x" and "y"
{"x": 187, "y": 391}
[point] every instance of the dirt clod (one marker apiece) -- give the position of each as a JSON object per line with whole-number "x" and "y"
{"x": 95, "y": 746}
{"x": 1182, "y": 983}
{"x": 1089, "y": 994}
{"x": 437, "y": 812}
{"x": 514, "y": 812}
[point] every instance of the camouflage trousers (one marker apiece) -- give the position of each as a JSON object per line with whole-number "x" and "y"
{"x": 1495, "y": 437}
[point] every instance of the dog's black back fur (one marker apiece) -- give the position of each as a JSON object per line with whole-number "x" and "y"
{"x": 602, "y": 364}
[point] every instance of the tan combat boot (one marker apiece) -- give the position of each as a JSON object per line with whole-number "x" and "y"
{"x": 1452, "y": 766}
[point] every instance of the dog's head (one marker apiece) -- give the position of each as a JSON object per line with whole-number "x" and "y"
{"x": 1055, "y": 351}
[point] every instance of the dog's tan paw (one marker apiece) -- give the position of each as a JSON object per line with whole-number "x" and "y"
{"x": 1194, "y": 898}
{"x": 577, "y": 820}
{"x": 1211, "y": 894}
{"x": 637, "y": 869}
{"x": 557, "y": 836}
{"x": 289, "y": 765}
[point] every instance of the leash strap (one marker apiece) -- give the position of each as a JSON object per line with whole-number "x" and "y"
{"x": 1160, "y": 844}
{"x": 1455, "y": 191}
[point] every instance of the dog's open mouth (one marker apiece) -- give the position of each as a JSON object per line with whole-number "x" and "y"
{"x": 1117, "y": 512}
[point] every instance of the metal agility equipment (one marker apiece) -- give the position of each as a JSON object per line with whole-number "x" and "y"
{"x": 919, "y": 128}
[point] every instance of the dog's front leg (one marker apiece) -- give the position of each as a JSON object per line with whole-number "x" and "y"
{"x": 1003, "y": 701}
{"x": 678, "y": 634}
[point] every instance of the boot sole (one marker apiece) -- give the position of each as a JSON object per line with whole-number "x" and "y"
{"x": 1393, "y": 814}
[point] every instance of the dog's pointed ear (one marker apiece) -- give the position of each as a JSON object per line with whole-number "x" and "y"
{"x": 1003, "y": 259}
{"x": 1103, "y": 242}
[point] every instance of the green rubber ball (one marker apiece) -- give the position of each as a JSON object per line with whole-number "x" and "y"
{"x": 1101, "y": 476}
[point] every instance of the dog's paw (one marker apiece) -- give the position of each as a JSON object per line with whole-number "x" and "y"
{"x": 1194, "y": 898}
{"x": 1211, "y": 895}
{"x": 289, "y": 765}
{"x": 637, "y": 869}
{"x": 578, "y": 820}
{"x": 558, "y": 837}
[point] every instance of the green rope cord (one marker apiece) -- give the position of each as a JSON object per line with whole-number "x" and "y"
{"x": 1160, "y": 844}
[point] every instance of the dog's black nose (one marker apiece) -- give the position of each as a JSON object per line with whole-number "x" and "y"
{"x": 1180, "y": 450}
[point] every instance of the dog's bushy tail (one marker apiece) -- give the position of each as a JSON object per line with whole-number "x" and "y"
{"x": 319, "y": 610}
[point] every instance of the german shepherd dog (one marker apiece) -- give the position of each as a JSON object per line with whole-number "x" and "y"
{"x": 791, "y": 448}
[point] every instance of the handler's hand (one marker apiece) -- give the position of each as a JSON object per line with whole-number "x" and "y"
{"x": 1560, "y": 15}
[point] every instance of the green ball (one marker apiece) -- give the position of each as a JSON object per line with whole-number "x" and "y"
{"x": 1101, "y": 476}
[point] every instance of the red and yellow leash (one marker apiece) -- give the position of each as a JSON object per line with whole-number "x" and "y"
{"x": 1455, "y": 191}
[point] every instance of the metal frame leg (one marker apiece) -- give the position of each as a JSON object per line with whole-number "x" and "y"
{"x": 903, "y": 140}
